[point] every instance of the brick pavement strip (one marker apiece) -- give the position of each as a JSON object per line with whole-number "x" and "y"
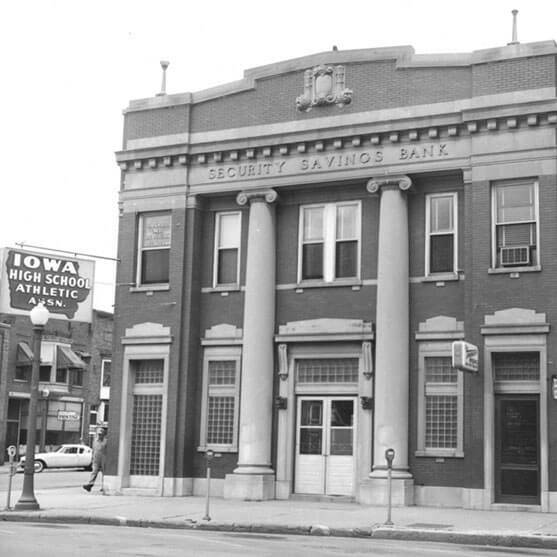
{"x": 501, "y": 539}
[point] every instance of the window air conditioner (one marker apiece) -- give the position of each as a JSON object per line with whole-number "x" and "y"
{"x": 515, "y": 255}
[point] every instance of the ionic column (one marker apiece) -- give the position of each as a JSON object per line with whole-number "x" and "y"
{"x": 254, "y": 478}
{"x": 392, "y": 330}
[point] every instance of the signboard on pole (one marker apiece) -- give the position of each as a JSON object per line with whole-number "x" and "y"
{"x": 465, "y": 356}
{"x": 63, "y": 284}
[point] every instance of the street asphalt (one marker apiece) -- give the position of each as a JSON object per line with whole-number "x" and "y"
{"x": 296, "y": 516}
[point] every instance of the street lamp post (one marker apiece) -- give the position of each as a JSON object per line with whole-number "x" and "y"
{"x": 27, "y": 501}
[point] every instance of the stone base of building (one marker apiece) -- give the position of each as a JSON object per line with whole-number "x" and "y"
{"x": 283, "y": 489}
{"x": 249, "y": 487}
{"x": 375, "y": 491}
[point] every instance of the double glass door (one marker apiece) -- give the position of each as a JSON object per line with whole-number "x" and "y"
{"x": 325, "y": 435}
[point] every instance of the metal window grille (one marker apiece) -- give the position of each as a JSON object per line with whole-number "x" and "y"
{"x": 438, "y": 369}
{"x": 441, "y": 422}
{"x": 148, "y": 371}
{"x": 516, "y": 366}
{"x": 146, "y": 435}
{"x": 327, "y": 370}
{"x": 222, "y": 372}
{"x": 220, "y": 420}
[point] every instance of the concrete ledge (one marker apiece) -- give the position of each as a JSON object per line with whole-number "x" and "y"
{"x": 500, "y": 539}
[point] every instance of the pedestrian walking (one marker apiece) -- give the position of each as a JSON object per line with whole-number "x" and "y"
{"x": 99, "y": 458}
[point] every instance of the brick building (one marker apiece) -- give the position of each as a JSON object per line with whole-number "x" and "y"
{"x": 299, "y": 250}
{"x": 76, "y": 349}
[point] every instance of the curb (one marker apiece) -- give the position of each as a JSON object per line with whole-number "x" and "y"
{"x": 538, "y": 541}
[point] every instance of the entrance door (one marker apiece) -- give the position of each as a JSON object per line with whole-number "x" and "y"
{"x": 325, "y": 445}
{"x": 517, "y": 469}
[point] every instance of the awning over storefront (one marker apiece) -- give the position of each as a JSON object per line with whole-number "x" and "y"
{"x": 67, "y": 358}
{"x": 24, "y": 355}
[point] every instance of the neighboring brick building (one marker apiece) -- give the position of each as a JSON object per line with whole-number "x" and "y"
{"x": 74, "y": 353}
{"x": 298, "y": 252}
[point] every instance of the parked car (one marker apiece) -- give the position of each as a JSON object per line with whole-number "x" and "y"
{"x": 67, "y": 456}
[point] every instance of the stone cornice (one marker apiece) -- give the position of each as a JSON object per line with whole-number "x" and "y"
{"x": 245, "y": 144}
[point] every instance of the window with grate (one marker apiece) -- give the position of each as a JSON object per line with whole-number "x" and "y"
{"x": 327, "y": 370}
{"x": 146, "y": 435}
{"x": 222, "y": 372}
{"x": 148, "y": 371}
{"x": 440, "y": 370}
{"x": 220, "y": 420}
{"x": 329, "y": 241}
{"x": 441, "y": 422}
{"x": 440, "y": 407}
{"x": 516, "y": 366}
{"x": 221, "y": 403}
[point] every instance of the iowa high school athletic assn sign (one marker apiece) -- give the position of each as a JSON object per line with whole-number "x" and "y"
{"x": 64, "y": 285}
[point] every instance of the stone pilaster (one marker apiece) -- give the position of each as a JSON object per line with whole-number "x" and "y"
{"x": 392, "y": 344}
{"x": 254, "y": 477}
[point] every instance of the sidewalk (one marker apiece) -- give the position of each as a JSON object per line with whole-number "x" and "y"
{"x": 73, "y": 505}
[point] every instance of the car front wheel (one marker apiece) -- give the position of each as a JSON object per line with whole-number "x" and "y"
{"x": 39, "y": 465}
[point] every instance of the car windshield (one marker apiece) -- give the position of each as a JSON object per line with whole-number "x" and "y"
{"x": 61, "y": 450}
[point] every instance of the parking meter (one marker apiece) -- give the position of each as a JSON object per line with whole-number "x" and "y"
{"x": 209, "y": 455}
{"x": 13, "y": 468}
{"x": 389, "y": 457}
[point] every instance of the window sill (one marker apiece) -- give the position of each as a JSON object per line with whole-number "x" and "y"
{"x": 150, "y": 288}
{"x": 439, "y": 453}
{"x": 441, "y": 277}
{"x": 511, "y": 270}
{"x": 324, "y": 284}
{"x": 221, "y": 288}
{"x": 217, "y": 448}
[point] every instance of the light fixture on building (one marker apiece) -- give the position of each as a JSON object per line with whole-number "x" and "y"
{"x": 27, "y": 501}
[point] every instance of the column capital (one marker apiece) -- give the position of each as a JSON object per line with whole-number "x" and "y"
{"x": 267, "y": 195}
{"x": 400, "y": 181}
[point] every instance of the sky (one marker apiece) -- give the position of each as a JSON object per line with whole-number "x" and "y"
{"x": 70, "y": 67}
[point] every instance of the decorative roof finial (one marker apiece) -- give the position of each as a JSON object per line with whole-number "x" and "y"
{"x": 515, "y": 38}
{"x": 164, "y": 65}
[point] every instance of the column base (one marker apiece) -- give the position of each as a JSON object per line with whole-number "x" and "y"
{"x": 249, "y": 487}
{"x": 375, "y": 491}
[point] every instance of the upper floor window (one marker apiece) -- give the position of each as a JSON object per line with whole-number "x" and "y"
{"x": 330, "y": 241}
{"x": 153, "y": 248}
{"x": 441, "y": 234}
{"x": 515, "y": 224}
{"x": 227, "y": 249}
